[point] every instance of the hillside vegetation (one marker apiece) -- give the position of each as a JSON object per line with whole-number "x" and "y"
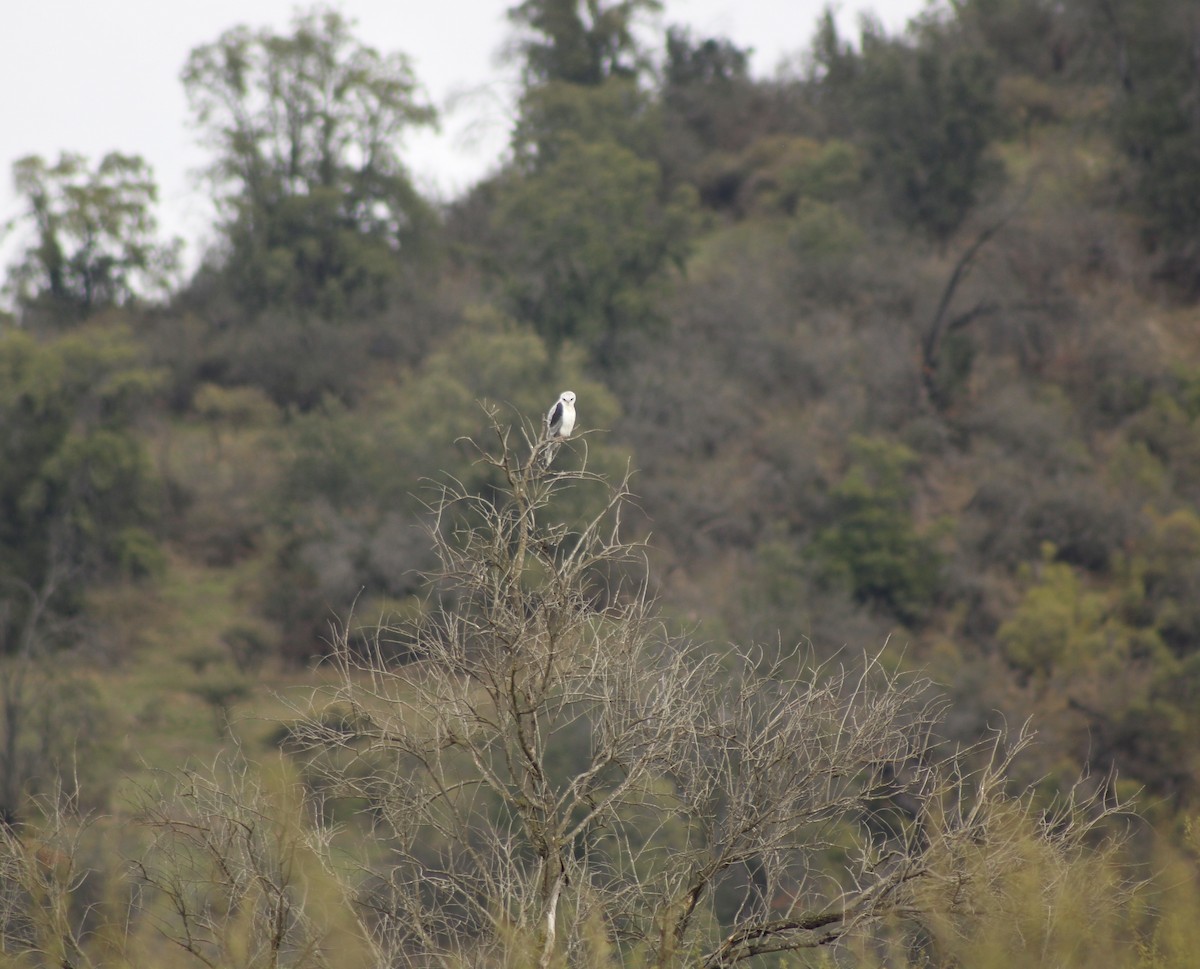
{"x": 902, "y": 348}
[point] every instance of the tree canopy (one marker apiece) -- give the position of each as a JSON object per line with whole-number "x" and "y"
{"x": 76, "y": 487}
{"x": 305, "y": 127}
{"x": 95, "y": 237}
{"x": 578, "y": 41}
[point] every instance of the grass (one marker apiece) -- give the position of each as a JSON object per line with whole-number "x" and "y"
{"x": 165, "y": 656}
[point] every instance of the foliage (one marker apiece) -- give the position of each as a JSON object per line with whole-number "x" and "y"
{"x": 780, "y": 173}
{"x": 1026, "y": 36}
{"x": 77, "y": 500}
{"x": 95, "y": 232}
{"x": 55, "y": 731}
{"x": 1118, "y": 655}
{"x": 352, "y": 497}
{"x": 231, "y": 875}
{"x": 1048, "y": 908}
{"x": 705, "y": 84}
{"x": 592, "y": 235}
{"x": 76, "y": 487}
{"x": 318, "y": 209}
{"x": 1058, "y": 626}
{"x": 578, "y": 41}
{"x": 711, "y": 110}
{"x": 926, "y": 113}
{"x": 1157, "y": 125}
{"x": 872, "y": 545}
{"x": 892, "y": 345}
{"x": 560, "y": 780}
{"x": 557, "y": 117}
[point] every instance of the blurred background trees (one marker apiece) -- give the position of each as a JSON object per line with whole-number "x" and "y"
{"x": 926, "y": 111}
{"x": 95, "y": 240}
{"x": 1153, "y": 53}
{"x": 584, "y": 43}
{"x": 321, "y": 231}
{"x": 305, "y": 129}
{"x": 78, "y": 507}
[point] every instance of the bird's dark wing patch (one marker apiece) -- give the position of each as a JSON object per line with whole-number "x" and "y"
{"x": 555, "y": 420}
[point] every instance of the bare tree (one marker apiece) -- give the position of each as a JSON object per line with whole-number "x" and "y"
{"x": 554, "y": 777}
{"x": 223, "y": 876}
{"x": 53, "y": 905}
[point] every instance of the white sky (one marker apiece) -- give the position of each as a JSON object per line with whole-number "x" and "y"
{"x": 94, "y": 76}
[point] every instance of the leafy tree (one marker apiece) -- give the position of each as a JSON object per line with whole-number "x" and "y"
{"x": 582, "y": 64}
{"x": 1169, "y": 575}
{"x": 76, "y": 501}
{"x": 1157, "y": 123}
{"x": 1058, "y": 625}
{"x": 557, "y": 115}
{"x": 578, "y": 41}
{"x": 926, "y": 110}
{"x": 872, "y": 545}
{"x": 95, "y": 237}
{"x": 1115, "y": 657}
{"x": 586, "y": 225}
{"x": 832, "y": 75}
{"x": 1027, "y": 36}
{"x": 713, "y": 112}
{"x": 591, "y": 236}
{"x": 76, "y": 487}
{"x": 318, "y": 209}
{"x": 703, "y": 83}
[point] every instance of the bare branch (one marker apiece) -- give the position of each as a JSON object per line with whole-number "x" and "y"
{"x": 554, "y": 766}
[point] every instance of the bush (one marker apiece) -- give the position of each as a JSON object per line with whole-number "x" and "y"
{"x": 872, "y": 546}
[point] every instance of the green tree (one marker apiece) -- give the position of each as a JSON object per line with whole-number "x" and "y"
{"x": 704, "y": 83}
{"x": 94, "y": 233}
{"x": 76, "y": 486}
{"x": 1115, "y": 658}
{"x": 578, "y": 41}
{"x": 318, "y": 209}
{"x": 556, "y": 115}
{"x": 77, "y": 500}
{"x": 1059, "y": 625}
{"x": 582, "y": 66}
{"x": 1157, "y": 123}
{"x": 872, "y": 546}
{"x": 1027, "y": 36}
{"x": 926, "y": 110}
{"x": 591, "y": 236}
{"x": 711, "y": 109}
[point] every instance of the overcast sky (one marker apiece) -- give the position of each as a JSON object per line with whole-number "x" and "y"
{"x": 94, "y": 76}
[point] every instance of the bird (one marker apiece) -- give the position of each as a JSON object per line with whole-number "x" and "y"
{"x": 560, "y": 419}
{"x": 560, "y": 422}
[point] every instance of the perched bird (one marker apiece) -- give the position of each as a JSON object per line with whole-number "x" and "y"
{"x": 560, "y": 422}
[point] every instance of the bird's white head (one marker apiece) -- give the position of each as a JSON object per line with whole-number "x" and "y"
{"x": 567, "y": 397}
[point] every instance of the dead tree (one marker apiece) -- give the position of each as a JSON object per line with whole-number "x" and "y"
{"x": 556, "y": 779}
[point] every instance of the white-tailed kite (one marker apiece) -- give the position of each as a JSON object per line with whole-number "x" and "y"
{"x": 560, "y": 422}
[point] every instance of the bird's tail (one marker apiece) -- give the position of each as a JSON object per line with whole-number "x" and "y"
{"x": 548, "y": 454}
